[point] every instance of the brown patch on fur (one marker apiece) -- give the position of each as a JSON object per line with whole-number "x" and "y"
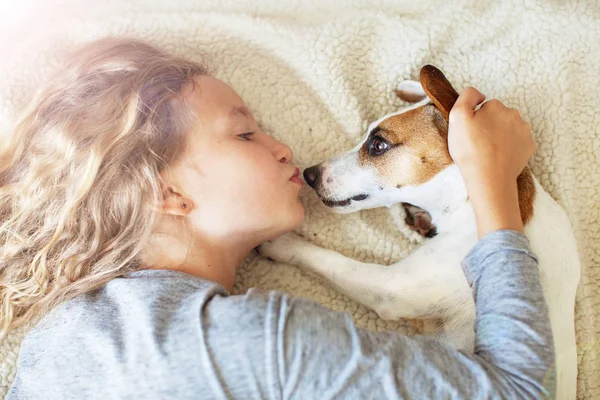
{"x": 527, "y": 193}
{"x": 416, "y": 134}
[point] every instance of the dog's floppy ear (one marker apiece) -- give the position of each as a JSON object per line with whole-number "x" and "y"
{"x": 438, "y": 89}
{"x": 411, "y": 92}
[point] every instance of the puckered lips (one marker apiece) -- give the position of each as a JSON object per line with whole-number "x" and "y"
{"x": 296, "y": 177}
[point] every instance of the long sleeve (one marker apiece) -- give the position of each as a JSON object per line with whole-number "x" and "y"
{"x": 167, "y": 335}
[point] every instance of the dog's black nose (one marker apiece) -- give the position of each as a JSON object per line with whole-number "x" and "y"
{"x": 312, "y": 175}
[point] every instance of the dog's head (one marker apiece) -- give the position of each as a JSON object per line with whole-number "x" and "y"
{"x": 400, "y": 150}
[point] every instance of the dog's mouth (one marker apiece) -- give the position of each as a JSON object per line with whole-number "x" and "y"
{"x": 343, "y": 203}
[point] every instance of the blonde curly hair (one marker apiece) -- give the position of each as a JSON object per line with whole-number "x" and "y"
{"x": 80, "y": 169}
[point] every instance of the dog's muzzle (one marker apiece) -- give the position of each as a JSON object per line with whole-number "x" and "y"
{"x": 312, "y": 176}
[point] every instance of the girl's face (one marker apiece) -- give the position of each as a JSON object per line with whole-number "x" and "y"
{"x": 240, "y": 181}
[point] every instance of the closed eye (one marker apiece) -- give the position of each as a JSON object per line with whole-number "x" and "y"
{"x": 246, "y": 136}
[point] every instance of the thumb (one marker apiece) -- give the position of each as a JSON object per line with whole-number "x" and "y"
{"x": 468, "y": 100}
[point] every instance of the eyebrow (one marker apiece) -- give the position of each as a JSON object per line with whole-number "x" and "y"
{"x": 239, "y": 111}
{"x": 375, "y": 131}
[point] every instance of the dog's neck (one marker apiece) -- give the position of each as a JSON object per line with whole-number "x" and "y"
{"x": 445, "y": 198}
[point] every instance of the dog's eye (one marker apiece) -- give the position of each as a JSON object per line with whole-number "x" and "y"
{"x": 378, "y": 147}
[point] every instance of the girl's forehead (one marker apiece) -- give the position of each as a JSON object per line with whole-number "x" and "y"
{"x": 207, "y": 90}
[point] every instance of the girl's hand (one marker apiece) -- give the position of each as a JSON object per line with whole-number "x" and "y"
{"x": 491, "y": 146}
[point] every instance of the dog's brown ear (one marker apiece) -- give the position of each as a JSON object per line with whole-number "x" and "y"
{"x": 438, "y": 89}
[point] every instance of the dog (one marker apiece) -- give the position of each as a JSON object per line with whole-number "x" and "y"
{"x": 404, "y": 158}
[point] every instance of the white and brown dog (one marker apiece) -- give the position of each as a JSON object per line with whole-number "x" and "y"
{"x": 404, "y": 159}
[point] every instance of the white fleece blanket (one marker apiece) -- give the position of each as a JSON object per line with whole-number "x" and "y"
{"x": 316, "y": 72}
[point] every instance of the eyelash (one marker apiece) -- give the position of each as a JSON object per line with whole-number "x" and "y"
{"x": 246, "y": 136}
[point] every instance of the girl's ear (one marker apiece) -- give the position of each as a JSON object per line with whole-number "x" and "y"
{"x": 174, "y": 203}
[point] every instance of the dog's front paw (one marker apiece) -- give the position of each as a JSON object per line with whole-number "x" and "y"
{"x": 285, "y": 248}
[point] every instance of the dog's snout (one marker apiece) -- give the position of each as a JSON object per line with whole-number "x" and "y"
{"x": 312, "y": 175}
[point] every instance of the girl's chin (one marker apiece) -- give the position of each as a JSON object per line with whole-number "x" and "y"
{"x": 299, "y": 216}
{"x": 291, "y": 222}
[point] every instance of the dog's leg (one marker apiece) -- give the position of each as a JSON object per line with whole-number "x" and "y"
{"x": 359, "y": 281}
{"x": 416, "y": 287}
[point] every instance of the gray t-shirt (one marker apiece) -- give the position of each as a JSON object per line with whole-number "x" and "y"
{"x": 168, "y": 335}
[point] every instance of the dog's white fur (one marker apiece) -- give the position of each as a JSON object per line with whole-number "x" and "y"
{"x": 429, "y": 283}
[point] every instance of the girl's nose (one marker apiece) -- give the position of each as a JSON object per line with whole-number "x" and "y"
{"x": 283, "y": 153}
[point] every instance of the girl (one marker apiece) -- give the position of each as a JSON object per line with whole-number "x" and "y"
{"x": 134, "y": 186}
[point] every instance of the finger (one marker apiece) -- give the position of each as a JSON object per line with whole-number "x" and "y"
{"x": 493, "y": 103}
{"x": 469, "y": 99}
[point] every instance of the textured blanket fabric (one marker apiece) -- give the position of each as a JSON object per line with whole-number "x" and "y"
{"x": 316, "y": 72}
